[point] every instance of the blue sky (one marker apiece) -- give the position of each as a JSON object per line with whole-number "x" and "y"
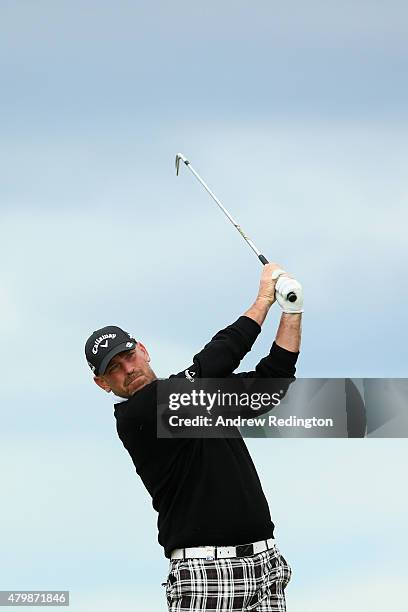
{"x": 296, "y": 115}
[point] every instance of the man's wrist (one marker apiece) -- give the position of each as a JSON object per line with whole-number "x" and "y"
{"x": 292, "y": 316}
{"x": 289, "y": 331}
{"x": 263, "y": 302}
{"x": 259, "y": 309}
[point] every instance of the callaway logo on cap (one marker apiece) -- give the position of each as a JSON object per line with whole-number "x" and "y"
{"x": 104, "y": 344}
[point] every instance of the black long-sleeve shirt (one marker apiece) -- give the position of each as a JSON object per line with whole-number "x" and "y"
{"x": 205, "y": 490}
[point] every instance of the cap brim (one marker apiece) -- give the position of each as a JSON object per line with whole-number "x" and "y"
{"x": 118, "y": 349}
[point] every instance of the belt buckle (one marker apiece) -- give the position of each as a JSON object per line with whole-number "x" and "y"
{"x": 245, "y": 550}
{"x": 209, "y": 552}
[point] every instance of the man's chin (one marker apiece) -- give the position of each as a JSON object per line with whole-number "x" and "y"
{"x": 136, "y": 385}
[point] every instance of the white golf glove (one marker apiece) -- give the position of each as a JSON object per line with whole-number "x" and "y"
{"x": 284, "y": 286}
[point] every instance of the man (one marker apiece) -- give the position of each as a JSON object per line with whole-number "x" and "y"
{"x": 213, "y": 517}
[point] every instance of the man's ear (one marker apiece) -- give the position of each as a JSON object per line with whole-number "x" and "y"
{"x": 102, "y": 384}
{"x": 144, "y": 350}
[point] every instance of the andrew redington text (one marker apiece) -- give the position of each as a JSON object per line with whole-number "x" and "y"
{"x": 271, "y": 421}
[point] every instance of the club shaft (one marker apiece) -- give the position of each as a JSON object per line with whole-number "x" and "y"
{"x": 227, "y": 214}
{"x": 291, "y": 295}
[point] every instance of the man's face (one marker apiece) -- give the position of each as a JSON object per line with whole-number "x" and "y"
{"x": 127, "y": 372}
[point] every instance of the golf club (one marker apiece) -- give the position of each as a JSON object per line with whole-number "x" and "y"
{"x": 179, "y": 157}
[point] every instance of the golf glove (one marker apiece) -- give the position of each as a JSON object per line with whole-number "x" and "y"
{"x": 284, "y": 285}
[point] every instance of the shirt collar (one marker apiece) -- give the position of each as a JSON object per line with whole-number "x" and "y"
{"x": 119, "y": 400}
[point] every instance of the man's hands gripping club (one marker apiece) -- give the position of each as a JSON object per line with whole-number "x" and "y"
{"x": 276, "y": 284}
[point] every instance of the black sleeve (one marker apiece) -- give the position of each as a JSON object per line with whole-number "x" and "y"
{"x": 223, "y": 354}
{"x": 280, "y": 363}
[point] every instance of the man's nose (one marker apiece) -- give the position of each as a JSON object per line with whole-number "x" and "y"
{"x": 128, "y": 367}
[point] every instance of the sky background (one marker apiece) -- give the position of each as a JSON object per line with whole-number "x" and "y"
{"x": 296, "y": 115}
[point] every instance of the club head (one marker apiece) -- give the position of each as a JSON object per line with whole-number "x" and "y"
{"x": 180, "y": 157}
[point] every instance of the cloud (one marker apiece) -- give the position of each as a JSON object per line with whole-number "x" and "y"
{"x": 146, "y": 597}
{"x": 354, "y": 592}
{"x": 318, "y": 22}
{"x": 82, "y": 264}
{"x": 333, "y": 494}
{"x": 9, "y": 314}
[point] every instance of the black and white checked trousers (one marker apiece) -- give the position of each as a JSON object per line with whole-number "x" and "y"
{"x": 237, "y": 584}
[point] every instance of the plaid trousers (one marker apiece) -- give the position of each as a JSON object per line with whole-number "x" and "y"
{"x": 237, "y": 584}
